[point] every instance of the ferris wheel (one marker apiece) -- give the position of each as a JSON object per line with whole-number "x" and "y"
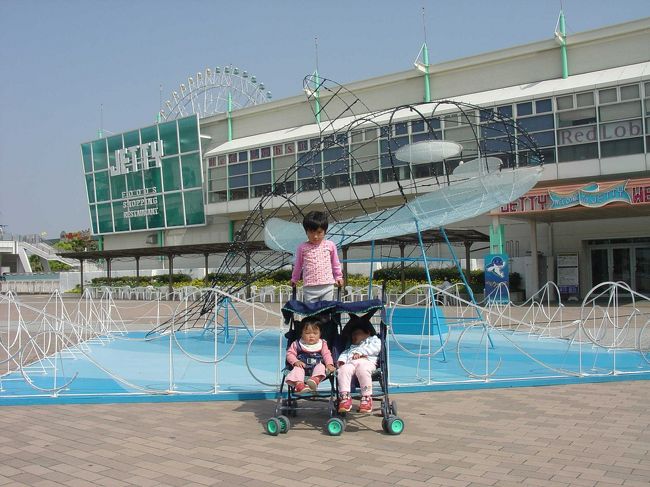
{"x": 217, "y": 90}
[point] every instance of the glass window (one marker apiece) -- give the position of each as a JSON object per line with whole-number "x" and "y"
{"x": 237, "y": 169}
{"x": 86, "y": 154}
{"x": 262, "y": 165}
{"x": 191, "y": 167}
{"x": 105, "y": 218}
{"x": 171, "y": 173}
{"x": 100, "y": 159}
{"x": 93, "y": 218}
{"x": 417, "y": 126}
{"x": 238, "y": 181}
{"x": 336, "y": 167}
{"x": 242, "y": 156}
{"x": 309, "y": 184}
{"x": 255, "y": 154}
{"x": 265, "y": 152}
{"x": 607, "y": 96}
{"x": 505, "y": 110}
{"x": 451, "y": 120}
{"x": 577, "y": 152}
{"x": 149, "y": 134}
{"x": 189, "y": 134}
{"x": 212, "y": 162}
{"x": 277, "y": 150}
{"x": 582, "y": 116}
{"x": 194, "y": 211}
{"x": 134, "y": 181}
{"x": 543, "y": 106}
{"x": 401, "y": 128}
{"x": 90, "y": 186}
{"x": 131, "y": 139}
{"x": 232, "y": 158}
{"x": 620, "y": 111}
{"x": 437, "y": 135}
{"x": 153, "y": 179}
{"x": 239, "y": 194}
{"x": 174, "y": 209}
{"x": 539, "y": 122}
{"x": 524, "y": 109}
{"x": 156, "y": 220}
{"x": 283, "y": 162}
{"x": 121, "y": 223}
{"x": 114, "y": 143}
{"x": 486, "y": 114}
{"x": 370, "y": 134}
{"x": 621, "y": 147}
{"x": 621, "y": 130}
{"x": 577, "y": 135}
{"x": 289, "y": 148}
{"x": 222, "y": 160}
{"x": 543, "y": 139}
{"x": 564, "y": 102}
{"x": 433, "y": 123}
{"x": 585, "y": 99}
{"x": 168, "y": 137}
{"x": 334, "y": 154}
{"x": 102, "y": 189}
{"x": 303, "y": 146}
{"x": 260, "y": 178}
{"x": 118, "y": 186}
{"x": 629, "y": 92}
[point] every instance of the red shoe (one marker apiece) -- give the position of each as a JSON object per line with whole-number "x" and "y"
{"x": 345, "y": 403}
{"x": 300, "y": 387}
{"x": 365, "y": 406}
{"x": 312, "y": 383}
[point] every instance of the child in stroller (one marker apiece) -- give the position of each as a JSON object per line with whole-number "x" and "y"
{"x": 287, "y": 405}
{"x": 309, "y": 355}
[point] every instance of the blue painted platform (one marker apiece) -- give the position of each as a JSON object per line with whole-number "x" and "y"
{"x": 129, "y": 368}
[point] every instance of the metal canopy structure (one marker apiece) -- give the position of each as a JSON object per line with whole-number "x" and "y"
{"x": 466, "y": 236}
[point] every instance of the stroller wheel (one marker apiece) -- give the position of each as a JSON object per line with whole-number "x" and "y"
{"x": 285, "y": 424}
{"x": 394, "y": 425}
{"x": 335, "y": 426}
{"x": 273, "y": 426}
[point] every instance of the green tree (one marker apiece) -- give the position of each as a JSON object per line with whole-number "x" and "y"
{"x": 35, "y": 262}
{"x": 77, "y": 241}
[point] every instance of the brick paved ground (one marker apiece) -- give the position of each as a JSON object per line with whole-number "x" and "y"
{"x": 588, "y": 435}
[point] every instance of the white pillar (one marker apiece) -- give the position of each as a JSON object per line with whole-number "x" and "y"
{"x": 534, "y": 262}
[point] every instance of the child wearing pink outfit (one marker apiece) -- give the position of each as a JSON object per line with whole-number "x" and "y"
{"x": 360, "y": 360}
{"x": 309, "y": 354}
{"x": 317, "y": 261}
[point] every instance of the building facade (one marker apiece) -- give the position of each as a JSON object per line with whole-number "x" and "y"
{"x": 587, "y": 221}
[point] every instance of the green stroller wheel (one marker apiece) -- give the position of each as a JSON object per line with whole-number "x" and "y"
{"x": 394, "y": 425}
{"x": 273, "y": 426}
{"x": 285, "y": 424}
{"x": 335, "y": 426}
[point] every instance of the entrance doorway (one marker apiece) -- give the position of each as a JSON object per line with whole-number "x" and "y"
{"x": 626, "y": 260}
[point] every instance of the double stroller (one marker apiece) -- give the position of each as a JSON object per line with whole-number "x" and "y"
{"x": 331, "y": 313}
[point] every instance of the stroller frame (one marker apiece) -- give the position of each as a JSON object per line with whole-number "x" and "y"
{"x": 287, "y": 405}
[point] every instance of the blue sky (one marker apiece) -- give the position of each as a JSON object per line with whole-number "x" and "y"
{"x": 61, "y": 59}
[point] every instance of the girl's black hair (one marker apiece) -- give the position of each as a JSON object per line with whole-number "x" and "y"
{"x": 310, "y": 321}
{"x": 315, "y": 220}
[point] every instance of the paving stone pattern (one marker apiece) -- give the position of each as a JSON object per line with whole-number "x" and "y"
{"x": 586, "y": 435}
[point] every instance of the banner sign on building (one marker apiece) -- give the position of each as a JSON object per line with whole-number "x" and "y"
{"x": 497, "y": 275}
{"x": 593, "y": 195}
{"x": 146, "y": 179}
{"x": 567, "y": 274}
